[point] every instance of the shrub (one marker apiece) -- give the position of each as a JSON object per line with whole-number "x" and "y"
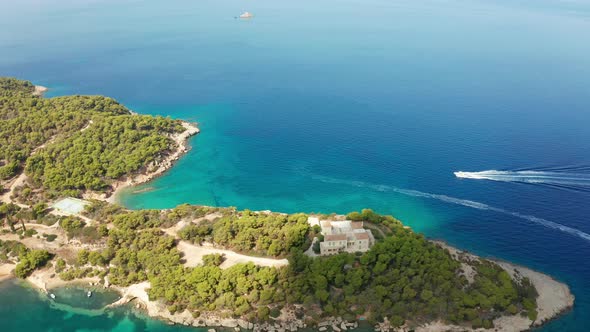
{"x": 30, "y": 261}
{"x": 213, "y": 259}
{"x": 275, "y": 312}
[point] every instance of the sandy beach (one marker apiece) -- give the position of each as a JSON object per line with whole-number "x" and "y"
{"x": 6, "y": 271}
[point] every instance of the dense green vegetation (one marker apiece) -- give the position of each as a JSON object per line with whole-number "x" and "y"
{"x": 404, "y": 276}
{"x": 213, "y": 259}
{"x": 110, "y": 148}
{"x": 30, "y": 261}
{"x": 14, "y": 216}
{"x": 269, "y": 234}
{"x": 88, "y": 141}
{"x": 71, "y": 225}
{"x": 10, "y": 250}
{"x": 141, "y": 219}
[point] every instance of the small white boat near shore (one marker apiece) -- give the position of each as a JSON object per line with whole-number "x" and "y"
{"x": 89, "y": 294}
{"x": 52, "y": 296}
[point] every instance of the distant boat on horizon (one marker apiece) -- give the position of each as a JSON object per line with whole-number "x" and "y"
{"x": 246, "y": 15}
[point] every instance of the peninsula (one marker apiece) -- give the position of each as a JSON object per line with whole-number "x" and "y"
{"x": 216, "y": 266}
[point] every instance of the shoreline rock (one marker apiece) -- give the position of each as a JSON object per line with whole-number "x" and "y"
{"x": 40, "y": 90}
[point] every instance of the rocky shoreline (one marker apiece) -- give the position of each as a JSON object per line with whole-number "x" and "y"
{"x": 553, "y": 300}
{"x": 40, "y": 90}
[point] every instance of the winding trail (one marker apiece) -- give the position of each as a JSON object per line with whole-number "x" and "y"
{"x": 193, "y": 254}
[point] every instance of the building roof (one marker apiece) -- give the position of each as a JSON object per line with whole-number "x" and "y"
{"x": 357, "y": 225}
{"x": 341, "y": 224}
{"x": 326, "y": 223}
{"x": 361, "y": 236}
{"x": 335, "y": 237}
{"x": 313, "y": 221}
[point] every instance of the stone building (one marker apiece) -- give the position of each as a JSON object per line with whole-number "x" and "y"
{"x": 346, "y": 235}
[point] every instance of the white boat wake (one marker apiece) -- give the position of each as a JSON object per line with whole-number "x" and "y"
{"x": 536, "y": 177}
{"x": 459, "y": 201}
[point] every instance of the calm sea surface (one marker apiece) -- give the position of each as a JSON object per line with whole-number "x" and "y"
{"x": 335, "y": 106}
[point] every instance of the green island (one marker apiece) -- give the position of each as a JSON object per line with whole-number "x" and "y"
{"x": 217, "y": 266}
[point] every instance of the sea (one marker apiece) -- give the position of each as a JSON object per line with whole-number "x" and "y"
{"x": 335, "y": 106}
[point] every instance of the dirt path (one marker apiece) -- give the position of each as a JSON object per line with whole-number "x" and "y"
{"x": 19, "y": 181}
{"x": 40, "y": 243}
{"x": 193, "y": 254}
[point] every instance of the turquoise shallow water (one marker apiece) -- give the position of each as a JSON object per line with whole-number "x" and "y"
{"x": 337, "y": 106}
{"x": 77, "y": 296}
{"x": 25, "y": 309}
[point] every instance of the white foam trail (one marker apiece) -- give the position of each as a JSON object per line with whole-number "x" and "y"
{"x": 542, "y": 177}
{"x": 459, "y": 201}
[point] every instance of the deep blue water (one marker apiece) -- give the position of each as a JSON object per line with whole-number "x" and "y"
{"x": 341, "y": 105}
